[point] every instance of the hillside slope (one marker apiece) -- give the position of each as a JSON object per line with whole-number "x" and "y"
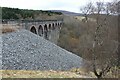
{"x": 67, "y": 12}
{"x": 24, "y": 50}
{"x": 15, "y": 13}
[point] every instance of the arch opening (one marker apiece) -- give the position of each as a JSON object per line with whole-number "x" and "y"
{"x": 33, "y": 30}
{"x": 45, "y": 28}
{"x": 40, "y": 30}
{"x": 50, "y": 26}
{"x": 58, "y": 24}
{"x": 45, "y": 31}
{"x": 53, "y": 26}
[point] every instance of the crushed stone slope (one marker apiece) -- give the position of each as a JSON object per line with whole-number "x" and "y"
{"x": 23, "y": 50}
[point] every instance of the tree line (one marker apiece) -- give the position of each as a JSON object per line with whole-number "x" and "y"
{"x": 15, "y": 13}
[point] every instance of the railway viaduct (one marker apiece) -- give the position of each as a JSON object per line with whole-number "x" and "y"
{"x": 48, "y": 29}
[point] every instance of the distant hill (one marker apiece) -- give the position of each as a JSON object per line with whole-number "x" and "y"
{"x": 15, "y": 13}
{"x": 67, "y": 12}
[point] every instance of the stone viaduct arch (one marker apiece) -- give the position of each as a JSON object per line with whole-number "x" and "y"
{"x": 57, "y": 24}
{"x": 53, "y": 26}
{"x": 40, "y": 30}
{"x": 44, "y": 28}
{"x": 50, "y": 27}
{"x": 33, "y": 29}
{"x": 45, "y": 31}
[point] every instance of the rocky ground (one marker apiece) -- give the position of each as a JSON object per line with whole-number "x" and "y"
{"x": 23, "y": 50}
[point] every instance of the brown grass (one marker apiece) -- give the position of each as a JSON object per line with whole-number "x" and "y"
{"x": 8, "y": 28}
{"x": 39, "y": 74}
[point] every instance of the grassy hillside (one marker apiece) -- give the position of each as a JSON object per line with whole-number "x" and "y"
{"x": 15, "y": 13}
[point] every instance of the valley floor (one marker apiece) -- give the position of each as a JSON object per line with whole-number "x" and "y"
{"x": 40, "y": 74}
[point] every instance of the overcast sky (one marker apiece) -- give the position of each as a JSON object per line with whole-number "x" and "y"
{"x": 68, "y": 5}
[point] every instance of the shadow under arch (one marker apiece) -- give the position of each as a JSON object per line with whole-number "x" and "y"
{"x": 45, "y": 32}
{"x": 58, "y": 24}
{"x": 49, "y": 26}
{"x": 40, "y": 30}
{"x": 53, "y": 26}
{"x": 33, "y": 30}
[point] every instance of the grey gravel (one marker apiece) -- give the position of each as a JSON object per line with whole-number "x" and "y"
{"x": 23, "y": 50}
